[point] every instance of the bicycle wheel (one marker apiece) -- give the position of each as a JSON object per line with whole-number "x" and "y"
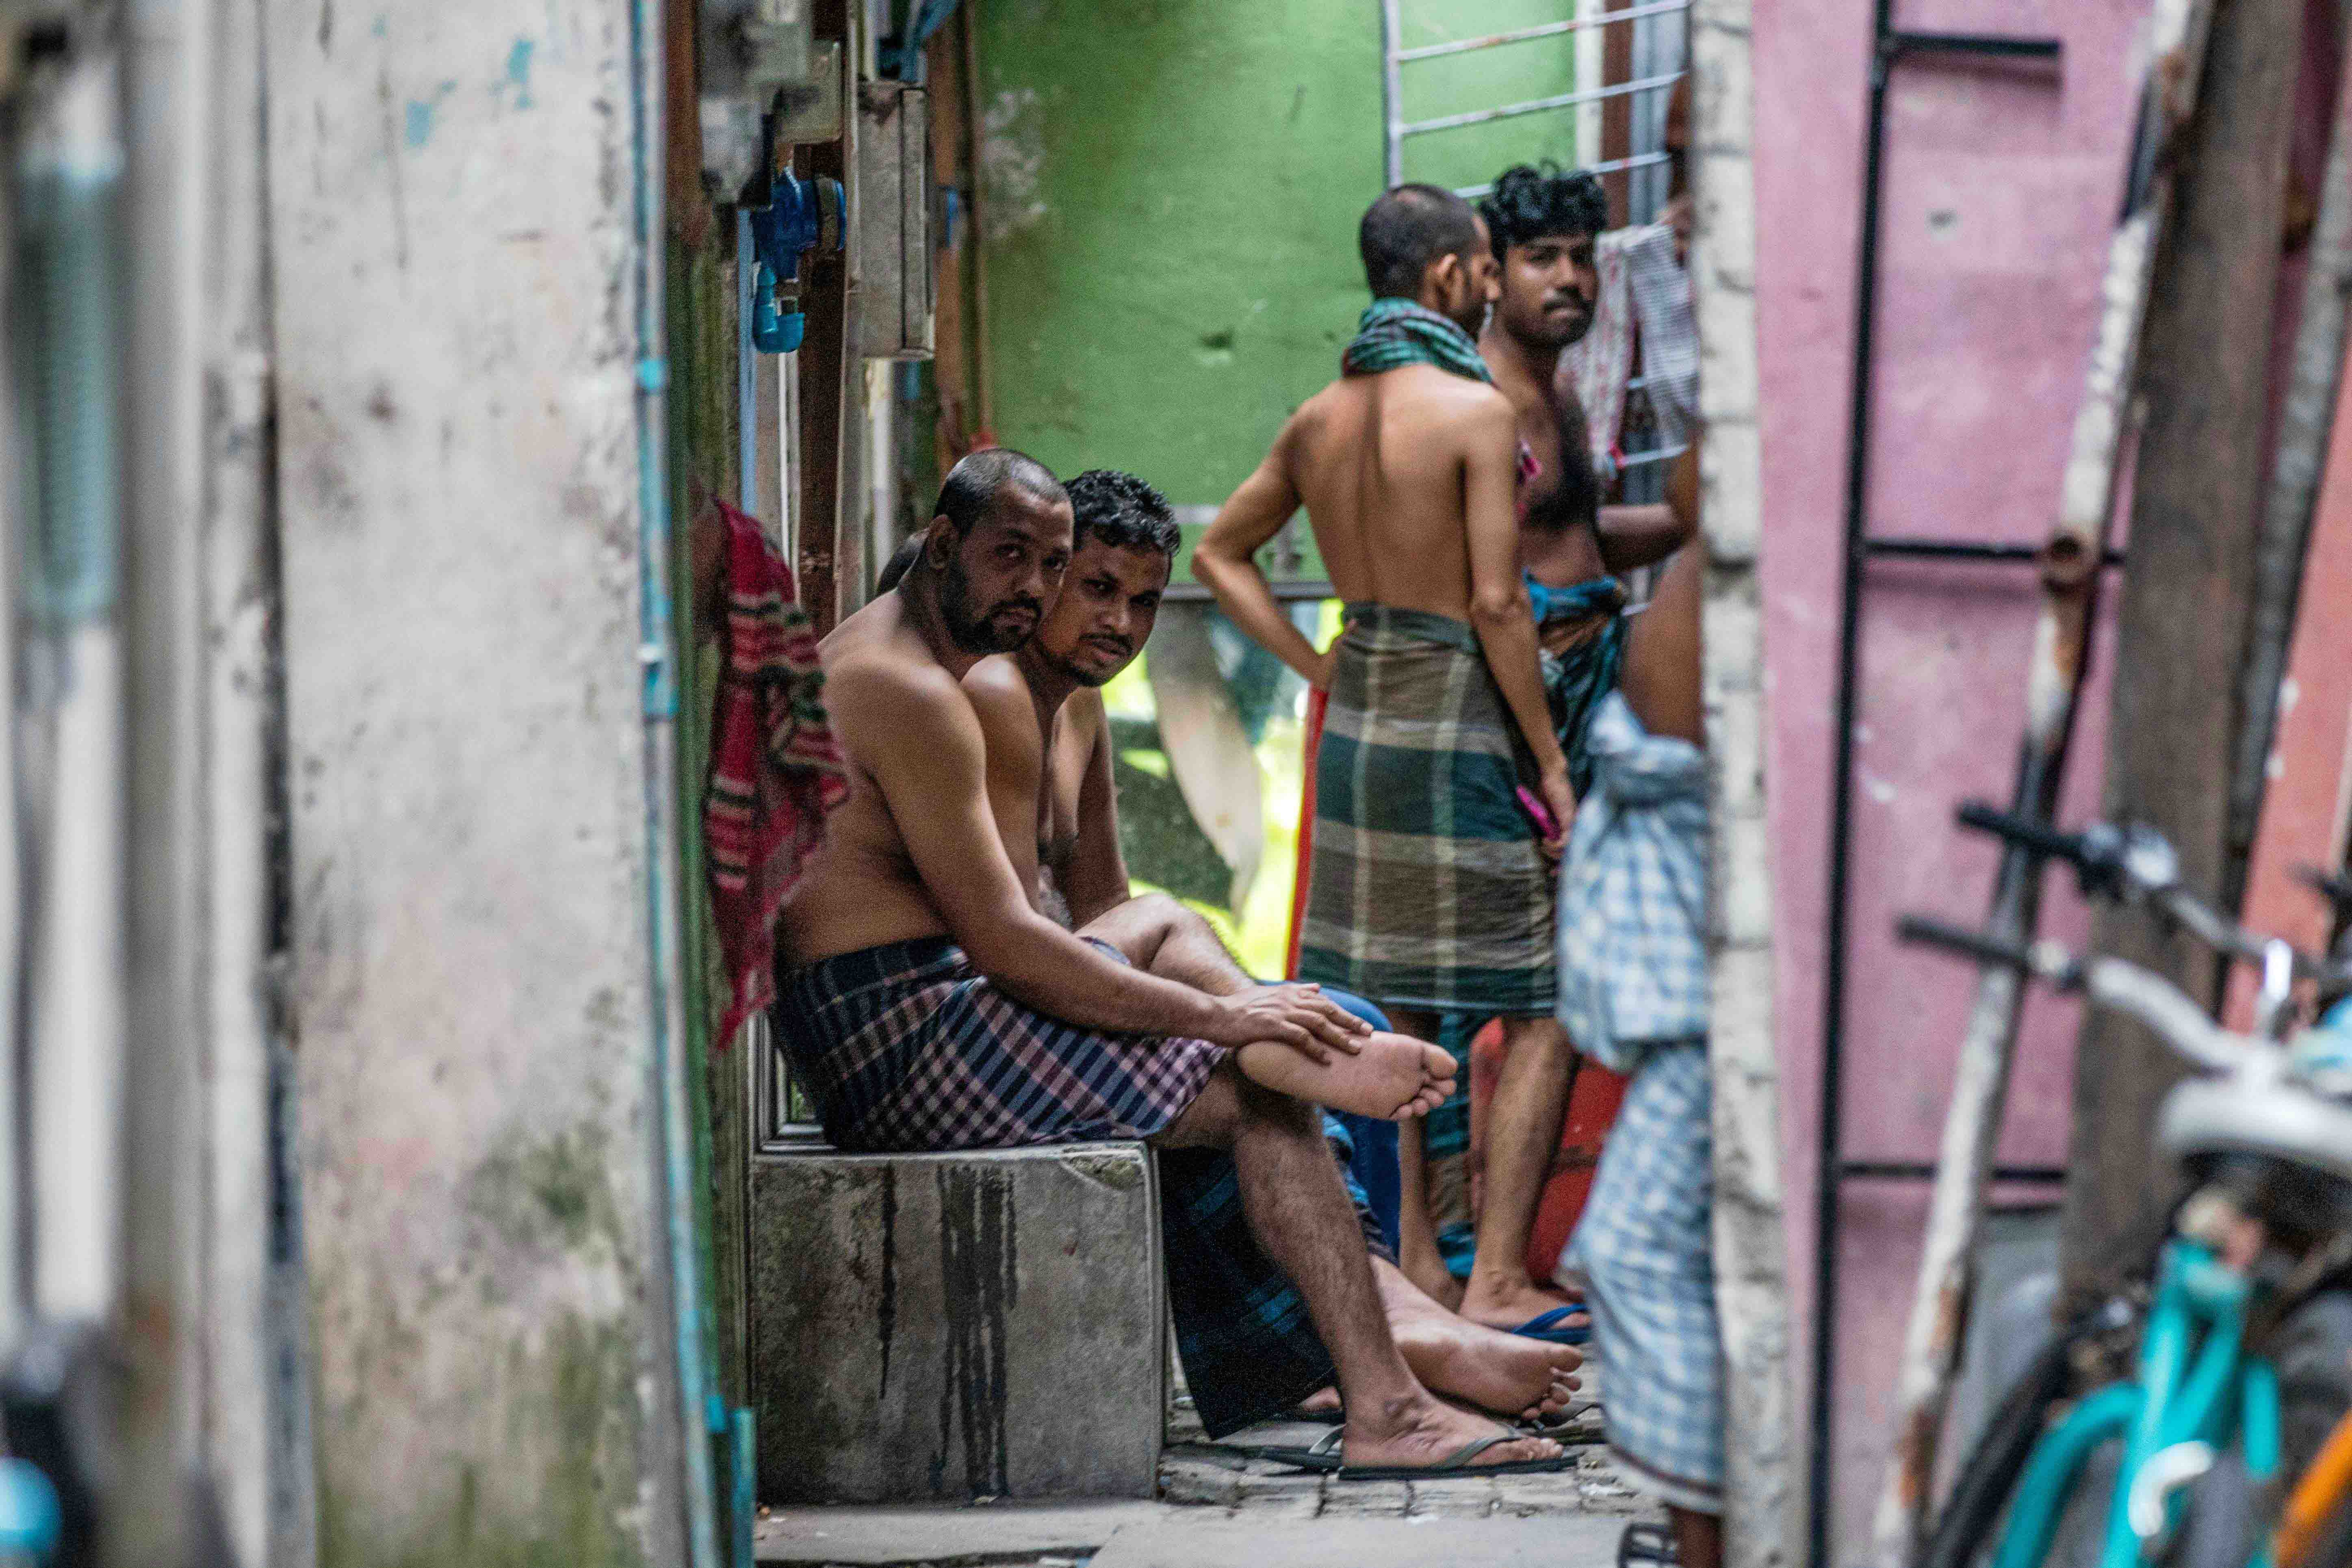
{"x": 1964, "y": 1530}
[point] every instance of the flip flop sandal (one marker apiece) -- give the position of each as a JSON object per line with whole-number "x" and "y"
{"x": 1323, "y": 1457}
{"x": 1336, "y": 1416}
{"x": 1645, "y": 1542}
{"x": 1547, "y": 1326}
{"x": 1568, "y": 1427}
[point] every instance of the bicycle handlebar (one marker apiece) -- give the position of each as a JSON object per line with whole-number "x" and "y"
{"x": 2135, "y": 864}
{"x": 2124, "y": 987}
{"x": 2041, "y": 837}
{"x": 2044, "y": 960}
{"x": 2110, "y": 983}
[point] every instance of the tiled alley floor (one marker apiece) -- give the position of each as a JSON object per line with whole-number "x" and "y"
{"x": 1222, "y": 1508}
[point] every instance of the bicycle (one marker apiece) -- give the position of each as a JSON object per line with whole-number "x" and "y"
{"x": 2216, "y": 1352}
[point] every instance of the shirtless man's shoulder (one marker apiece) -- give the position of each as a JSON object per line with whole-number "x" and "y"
{"x": 1445, "y": 416}
{"x": 998, "y": 689}
{"x": 1084, "y": 712}
{"x": 876, "y": 686}
{"x": 1439, "y": 391}
{"x": 1018, "y": 755}
{"x": 904, "y": 723}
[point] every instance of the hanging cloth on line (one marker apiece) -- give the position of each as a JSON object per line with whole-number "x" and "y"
{"x": 1660, "y": 288}
{"x": 776, "y": 768}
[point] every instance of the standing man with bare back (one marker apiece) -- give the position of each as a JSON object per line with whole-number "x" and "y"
{"x": 1430, "y": 890}
{"x": 926, "y": 1004}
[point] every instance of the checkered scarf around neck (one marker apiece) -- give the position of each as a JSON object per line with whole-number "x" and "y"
{"x": 1396, "y": 332}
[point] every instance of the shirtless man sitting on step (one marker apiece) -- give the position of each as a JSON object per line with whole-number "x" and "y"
{"x": 926, "y": 1005}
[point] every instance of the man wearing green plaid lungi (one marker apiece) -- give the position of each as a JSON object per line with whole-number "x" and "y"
{"x": 1429, "y": 889}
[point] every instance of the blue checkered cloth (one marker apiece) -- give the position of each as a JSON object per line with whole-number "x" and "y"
{"x": 1643, "y": 1254}
{"x": 1632, "y": 894}
{"x": 907, "y": 1048}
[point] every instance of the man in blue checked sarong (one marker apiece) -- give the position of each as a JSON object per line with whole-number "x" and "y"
{"x": 1049, "y": 780}
{"x": 927, "y": 1005}
{"x": 1633, "y": 995}
{"x": 1429, "y": 887}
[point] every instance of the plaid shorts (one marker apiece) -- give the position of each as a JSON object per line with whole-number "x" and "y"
{"x": 907, "y": 1048}
{"x": 1645, "y": 1250}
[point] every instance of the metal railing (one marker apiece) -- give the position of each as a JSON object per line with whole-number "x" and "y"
{"x": 1395, "y": 56}
{"x": 1639, "y": 465}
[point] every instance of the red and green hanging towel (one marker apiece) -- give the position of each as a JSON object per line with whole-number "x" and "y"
{"x": 775, "y": 767}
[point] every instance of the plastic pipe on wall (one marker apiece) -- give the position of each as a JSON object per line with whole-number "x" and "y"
{"x": 69, "y": 189}
{"x": 657, "y": 654}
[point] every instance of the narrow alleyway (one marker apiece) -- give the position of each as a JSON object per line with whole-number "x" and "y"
{"x": 1219, "y": 1505}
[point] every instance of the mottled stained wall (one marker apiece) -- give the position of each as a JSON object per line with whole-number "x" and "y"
{"x": 451, "y": 191}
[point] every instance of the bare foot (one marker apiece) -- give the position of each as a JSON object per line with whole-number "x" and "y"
{"x": 1503, "y": 1373}
{"x": 1427, "y": 1431}
{"x": 1322, "y": 1401}
{"x": 1506, "y": 1303}
{"x": 1393, "y": 1077}
{"x": 1507, "y": 1373}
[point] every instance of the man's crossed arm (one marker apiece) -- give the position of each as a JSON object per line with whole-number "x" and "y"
{"x": 919, "y": 738}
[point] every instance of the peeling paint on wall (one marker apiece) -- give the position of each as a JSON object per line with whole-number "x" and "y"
{"x": 1012, "y": 164}
{"x": 517, "y": 75}
{"x": 417, "y": 129}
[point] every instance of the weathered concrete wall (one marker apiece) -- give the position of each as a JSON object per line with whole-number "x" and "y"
{"x": 451, "y": 192}
{"x": 956, "y": 1326}
{"x": 1762, "y": 1471}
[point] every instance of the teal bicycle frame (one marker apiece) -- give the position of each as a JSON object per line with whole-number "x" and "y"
{"x": 2196, "y": 1384}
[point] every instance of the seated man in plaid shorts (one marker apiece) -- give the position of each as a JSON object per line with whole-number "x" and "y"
{"x": 928, "y": 1006}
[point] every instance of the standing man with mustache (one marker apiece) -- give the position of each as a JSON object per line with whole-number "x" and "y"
{"x": 1643, "y": 1247}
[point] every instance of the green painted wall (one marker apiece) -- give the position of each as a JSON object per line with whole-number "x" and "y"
{"x": 1171, "y": 190}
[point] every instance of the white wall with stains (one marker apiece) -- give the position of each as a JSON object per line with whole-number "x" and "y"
{"x": 451, "y": 217}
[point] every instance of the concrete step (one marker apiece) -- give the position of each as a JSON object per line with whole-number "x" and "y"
{"x": 949, "y": 1327}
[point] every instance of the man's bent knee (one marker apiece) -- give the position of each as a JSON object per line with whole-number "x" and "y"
{"x": 1137, "y": 927}
{"x": 1212, "y": 1119}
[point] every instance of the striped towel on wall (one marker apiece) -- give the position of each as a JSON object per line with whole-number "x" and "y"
{"x": 775, "y": 767}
